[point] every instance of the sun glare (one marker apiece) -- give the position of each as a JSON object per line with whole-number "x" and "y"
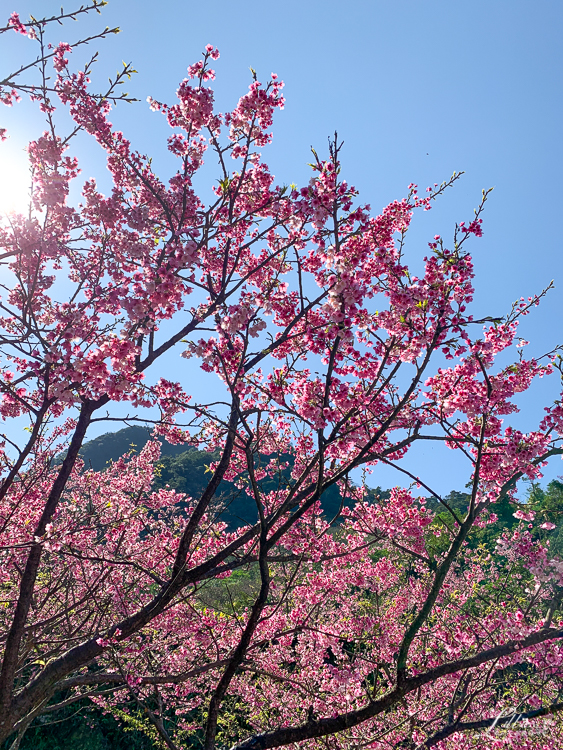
{"x": 14, "y": 181}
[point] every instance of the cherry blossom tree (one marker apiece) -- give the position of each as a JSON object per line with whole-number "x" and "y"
{"x": 324, "y": 356}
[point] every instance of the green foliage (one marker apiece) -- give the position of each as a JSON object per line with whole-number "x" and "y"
{"x": 232, "y": 594}
{"x": 187, "y": 472}
{"x": 83, "y": 726}
{"x": 548, "y": 505}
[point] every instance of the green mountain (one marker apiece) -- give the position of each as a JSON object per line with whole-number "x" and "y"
{"x": 186, "y": 470}
{"x": 97, "y": 453}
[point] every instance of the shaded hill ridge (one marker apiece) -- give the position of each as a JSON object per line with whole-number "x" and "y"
{"x": 110, "y": 446}
{"x": 185, "y": 469}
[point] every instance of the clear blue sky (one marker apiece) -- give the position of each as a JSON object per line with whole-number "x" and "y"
{"x": 415, "y": 89}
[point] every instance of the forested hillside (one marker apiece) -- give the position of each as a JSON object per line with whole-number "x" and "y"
{"x": 185, "y": 470}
